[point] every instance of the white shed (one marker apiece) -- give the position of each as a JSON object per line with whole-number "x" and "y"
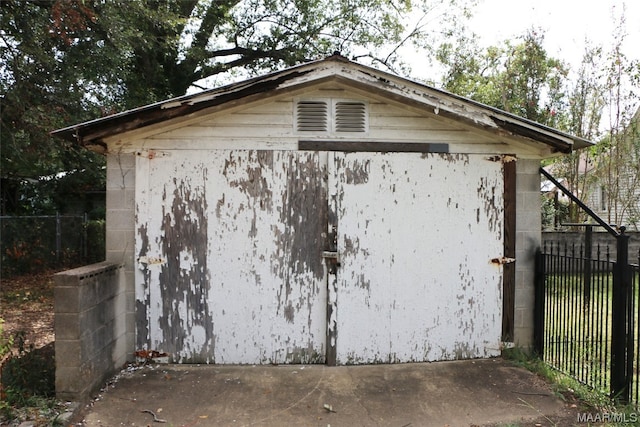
{"x": 327, "y": 213}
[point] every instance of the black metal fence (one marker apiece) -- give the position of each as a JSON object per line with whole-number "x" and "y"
{"x": 576, "y": 289}
{"x": 587, "y": 310}
{"x": 30, "y": 244}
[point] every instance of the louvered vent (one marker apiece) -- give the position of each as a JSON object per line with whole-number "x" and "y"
{"x": 350, "y": 117}
{"x": 312, "y": 116}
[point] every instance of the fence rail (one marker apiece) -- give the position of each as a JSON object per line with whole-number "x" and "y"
{"x": 576, "y": 296}
{"x": 586, "y": 313}
{"x": 35, "y": 243}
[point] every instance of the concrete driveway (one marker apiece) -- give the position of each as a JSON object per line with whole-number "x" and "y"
{"x": 463, "y": 393}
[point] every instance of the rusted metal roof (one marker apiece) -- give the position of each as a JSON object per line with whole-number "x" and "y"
{"x": 413, "y": 93}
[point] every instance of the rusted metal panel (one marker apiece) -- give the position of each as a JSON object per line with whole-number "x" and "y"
{"x": 242, "y": 234}
{"x": 416, "y": 282}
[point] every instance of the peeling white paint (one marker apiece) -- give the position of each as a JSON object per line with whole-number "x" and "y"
{"x": 415, "y": 284}
{"x": 266, "y": 305}
{"x": 242, "y": 234}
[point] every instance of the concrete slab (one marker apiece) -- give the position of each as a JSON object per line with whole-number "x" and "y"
{"x": 462, "y": 393}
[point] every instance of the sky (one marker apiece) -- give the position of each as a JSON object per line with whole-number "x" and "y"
{"x": 566, "y": 23}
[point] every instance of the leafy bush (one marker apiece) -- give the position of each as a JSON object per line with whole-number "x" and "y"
{"x": 554, "y": 213}
{"x": 29, "y": 374}
{"x": 5, "y": 343}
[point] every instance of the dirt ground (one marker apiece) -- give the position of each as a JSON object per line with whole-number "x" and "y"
{"x": 26, "y": 306}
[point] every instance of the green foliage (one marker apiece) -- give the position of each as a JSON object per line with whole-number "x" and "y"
{"x": 29, "y": 374}
{"x": 521, "y": 78}
{"x": 41, "y": 91}
{"x": 562, "y": 384}
{"x": 5, "y": 342}
{"x": 554, "y": 213}
{"x": 28, "y": 386}
{"x": 68, "y": 61}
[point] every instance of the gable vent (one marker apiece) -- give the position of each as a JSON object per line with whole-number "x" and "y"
{"x": 312, "y": 116}
{"x": 350, "y": 117}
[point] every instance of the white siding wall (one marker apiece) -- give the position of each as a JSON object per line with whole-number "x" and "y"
{"x": 269, "y": 125}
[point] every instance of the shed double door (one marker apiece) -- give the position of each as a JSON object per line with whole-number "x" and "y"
{"x": 236, "y": 256}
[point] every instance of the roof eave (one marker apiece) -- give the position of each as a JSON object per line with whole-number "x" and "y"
{"x": 96, "y": 131}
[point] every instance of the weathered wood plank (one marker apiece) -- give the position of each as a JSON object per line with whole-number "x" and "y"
{"x": 509, "y": 269}
{"x": 373, "y": 146}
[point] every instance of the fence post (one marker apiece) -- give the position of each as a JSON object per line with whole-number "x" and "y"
{"x": 85, "y": 237}
{"x": 58, "y": 237}
{"x": 539, "y": 304}
{"x": 621, "y": 351}
{"x": 588, "y": 245}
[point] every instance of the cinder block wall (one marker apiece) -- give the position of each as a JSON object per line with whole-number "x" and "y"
{"x": 528, "y": 238}
{"x": 90, "y": 328}
{"x": 120, "y": 235}
{"x": 600, "y": 238}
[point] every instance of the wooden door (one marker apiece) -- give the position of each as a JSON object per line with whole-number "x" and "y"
{"x": 230, "y": 255}
{"x": 416, "y": 235}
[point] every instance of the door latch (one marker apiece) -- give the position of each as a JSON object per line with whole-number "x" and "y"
{"x": 333, "y": 260}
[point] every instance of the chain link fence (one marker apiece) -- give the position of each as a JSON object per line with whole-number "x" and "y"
{"x": 31, "y": 244}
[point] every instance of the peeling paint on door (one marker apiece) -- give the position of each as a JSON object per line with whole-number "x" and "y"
{"x": 243, "y": 282}
{"x": 250, "y": 256}
{"x": 414, "y": 284}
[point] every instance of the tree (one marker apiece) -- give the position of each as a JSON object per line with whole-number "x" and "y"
{"x": 519, "y": 78}
{"x": 39, "y": 92}
{"x": 619, "y": 152}
{"x": 582, "y": 117}
{"x": 68, "y": 61}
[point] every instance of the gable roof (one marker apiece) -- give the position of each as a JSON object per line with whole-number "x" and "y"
{"x": 408, "y": 92}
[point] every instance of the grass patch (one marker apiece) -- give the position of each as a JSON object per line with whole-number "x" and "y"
{"x": 586, "y": 399}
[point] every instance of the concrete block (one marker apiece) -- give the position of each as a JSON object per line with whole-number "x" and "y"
{"x": 67, "y": 326}
{"x": 120, "y": 219}
{"x": 68, "y": 353}
{"x": 528, "y": 221}
{"x": 524, "y": 298}
{"x": 519, "y": 318}
{"x": 115, "y": 199}
{"x": 523, "y": 337}
{"x": 118, "y": 161}
{"x": 106, "y": 290}
{"x": 528, "y": 182}
{"x": 130, "y": 345}
{"x": 117, "y": 239}
{"x": 130, "y": 302}
{"x": 87, "y": 294}
{"x": 121, "y": 199}
{"x": 129, "y": 283}
{"x": 65, "y": 279}
{"x": 85, "y": 340}
{"x": 68, "y": 382}
{"x": 66, "y": 299}
{"x": 533, "y": 200}
{"x": 120, "y": 325}
{"x": 120, "y": 171}
{"x": 528, "y": 166}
